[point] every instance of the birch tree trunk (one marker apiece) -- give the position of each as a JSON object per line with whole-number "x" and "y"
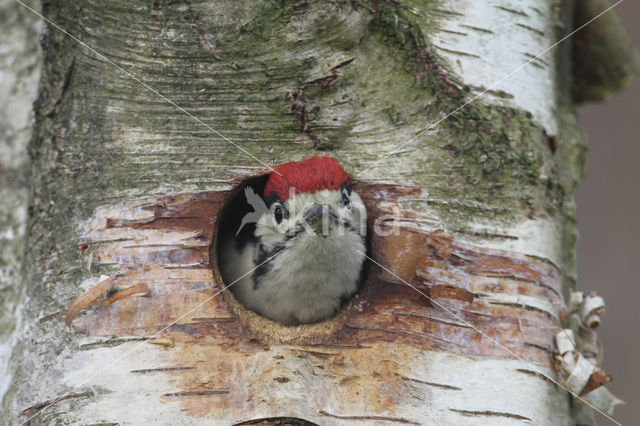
{"x": 126, "y": 188}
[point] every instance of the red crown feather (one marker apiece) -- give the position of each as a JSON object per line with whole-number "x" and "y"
{"x": 309, "y": 175}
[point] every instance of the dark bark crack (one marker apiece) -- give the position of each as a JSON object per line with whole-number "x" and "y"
{"x": 299, "y": 107}
{"x": 487, "y": 413}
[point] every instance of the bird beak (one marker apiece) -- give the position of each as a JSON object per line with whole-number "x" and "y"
{"x": 318, "y": 218}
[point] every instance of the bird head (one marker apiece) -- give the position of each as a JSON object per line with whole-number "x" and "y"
{"x": 309, "y": 201}
{"x": 303, "y": 254}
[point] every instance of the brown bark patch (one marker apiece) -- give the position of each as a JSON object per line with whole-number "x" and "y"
{"x": 423, "y": 290}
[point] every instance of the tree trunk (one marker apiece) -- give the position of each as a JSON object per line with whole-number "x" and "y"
{"x": 472, "y": 222}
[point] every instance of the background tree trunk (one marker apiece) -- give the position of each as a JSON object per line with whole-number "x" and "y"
{"x": 284, "y": 80}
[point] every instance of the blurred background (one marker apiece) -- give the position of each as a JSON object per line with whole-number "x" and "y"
{"x": 609, "y": 245}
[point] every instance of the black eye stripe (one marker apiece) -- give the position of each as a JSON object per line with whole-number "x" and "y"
{"x": 346, "y": 187}
{"x": 278, "y": 214}
{"x": 345, "y": 198}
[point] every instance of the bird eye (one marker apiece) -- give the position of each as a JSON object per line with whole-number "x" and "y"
{"x": 278, "y": 214}
{"x": 345, "y": 198}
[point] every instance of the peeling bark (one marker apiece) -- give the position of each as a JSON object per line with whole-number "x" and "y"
{"x": 126, "y": 191}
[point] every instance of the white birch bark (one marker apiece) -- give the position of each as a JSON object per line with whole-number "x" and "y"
{"x": 498, "y": 176}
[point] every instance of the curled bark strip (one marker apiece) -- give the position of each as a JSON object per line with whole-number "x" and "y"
{"x": 597, "y": 379}
{"x": 565, "y": 341}
{"x": 591, "y": 310}
{"x": 588, "y": 308}
{"x": 88, "y": 297}
{"x": 140, "y": 288}
{"x": 579, "y": 370}
{"x": 582, "y": 374}
{"x": 579, "y": 348}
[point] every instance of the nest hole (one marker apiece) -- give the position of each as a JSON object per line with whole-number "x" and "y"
{"x": 229, "y": 221}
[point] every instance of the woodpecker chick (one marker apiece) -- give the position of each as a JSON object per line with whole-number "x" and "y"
{"x": 303, "y": 255}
